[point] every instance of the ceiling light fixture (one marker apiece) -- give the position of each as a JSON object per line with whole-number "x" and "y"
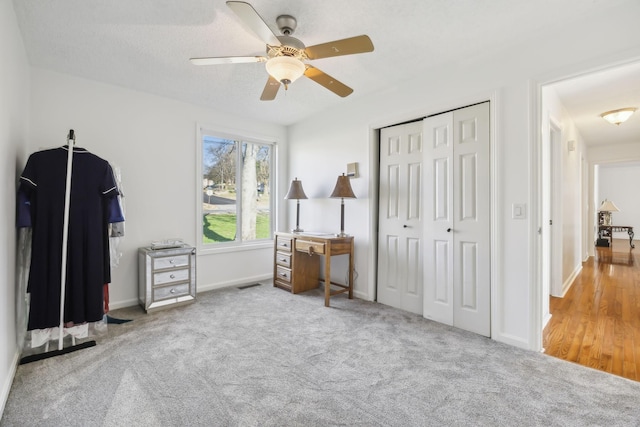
{"x": 618, "y": 116}
{"x": 285, "y": 69}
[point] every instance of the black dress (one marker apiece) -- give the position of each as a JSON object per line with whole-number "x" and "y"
{"x": 88, "y": 269}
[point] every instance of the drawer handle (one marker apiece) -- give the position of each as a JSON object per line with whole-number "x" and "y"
{"x": 173, "y": 291}
{"x": 172, "y": 276}
{"x": 172, "y": 261}
{"x": 311, "y": 250}
{"x": 283, "y": 274}
{"x": 283, "y": 259}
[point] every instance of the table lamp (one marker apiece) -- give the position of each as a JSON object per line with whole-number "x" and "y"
{"x": 296, "y": 192}
{"x": 343, "y": 191}
{"x": 606, "y": 208}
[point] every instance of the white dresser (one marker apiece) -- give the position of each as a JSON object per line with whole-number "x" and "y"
{"x": 167, "y": 277}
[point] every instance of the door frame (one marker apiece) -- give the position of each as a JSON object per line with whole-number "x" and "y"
{"x": 495, "y": 216}
{"x": 552, "y": 199}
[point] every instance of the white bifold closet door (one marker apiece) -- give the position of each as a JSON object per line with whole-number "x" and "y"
{"x": 457, "y": 219}
{"x": 400, "y": 234}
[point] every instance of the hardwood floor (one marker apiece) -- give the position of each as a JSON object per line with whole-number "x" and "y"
{"x": 597, "y": 323}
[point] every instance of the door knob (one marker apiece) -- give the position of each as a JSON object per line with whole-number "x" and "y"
{"x": 448, "y": 230}
{"x": 405, "y": 226}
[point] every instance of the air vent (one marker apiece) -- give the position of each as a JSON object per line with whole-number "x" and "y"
{"x": 248, "y": 286}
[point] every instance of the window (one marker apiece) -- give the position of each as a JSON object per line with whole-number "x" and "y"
{"x": 236, "y": 190}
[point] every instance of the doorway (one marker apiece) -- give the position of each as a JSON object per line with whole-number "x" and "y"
{"x": 573, "y": 107}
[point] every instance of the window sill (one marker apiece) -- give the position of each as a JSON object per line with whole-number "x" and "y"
{"x": 222, "y": 248}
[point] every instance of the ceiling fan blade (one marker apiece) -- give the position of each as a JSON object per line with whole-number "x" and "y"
{"x": 358, "y": 44}
{"x": 270, "y": 90}
{"x": 227, "y": 60}
{"x": 327, "y": 81}
{"x": 254, "y": 22}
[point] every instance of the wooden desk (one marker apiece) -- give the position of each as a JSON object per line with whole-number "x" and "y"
{"x": 606, "y": 232}
{"x": 296, "y": 262}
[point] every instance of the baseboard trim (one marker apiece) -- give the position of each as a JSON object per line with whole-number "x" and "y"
{"x": 200, "y": 288}
{"x": 567, "y": 283}
{"x": 512, "y": 340}
{"x": 243, "y": 281}
{"x": 123, "y": 304}
{"x": 6, "y": 387}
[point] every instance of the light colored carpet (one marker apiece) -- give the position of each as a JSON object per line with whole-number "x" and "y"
{"x": 264, "y": 357}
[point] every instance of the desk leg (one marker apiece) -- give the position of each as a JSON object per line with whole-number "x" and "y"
{"x": 631, "y": 234}
{"x": 327, "y": 276}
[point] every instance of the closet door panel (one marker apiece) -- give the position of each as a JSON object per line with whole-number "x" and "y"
{"x": 401, "y": 210}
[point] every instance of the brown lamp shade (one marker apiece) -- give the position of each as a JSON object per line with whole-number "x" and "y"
{"x": 295, "y": 190}
{"x": 343, "y": 188}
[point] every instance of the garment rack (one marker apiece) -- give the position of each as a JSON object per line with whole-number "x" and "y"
{"x": 71, "y": 139}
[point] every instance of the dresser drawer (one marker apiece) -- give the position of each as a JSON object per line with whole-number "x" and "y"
{"x": 309, "y": 246}
{"x": 283, "y": 259}
{"x": 283, "y": 243}
{"x": 170, "y": 277}
{"x": 162, "y": 263}
{"x": 283, "y": 274}
{"x": 170, "y": 291}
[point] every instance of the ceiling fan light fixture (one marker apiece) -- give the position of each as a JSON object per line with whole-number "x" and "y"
{"x": 616, "y": 117}
{"x": 285, "y": 69}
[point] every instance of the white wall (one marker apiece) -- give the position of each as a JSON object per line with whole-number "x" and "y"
{"x": 569, "y": 188}
{"x": 153, "y": 142}
{"x": 617, "y": 182}
{"x": 14, "y": 97}
{"x": 321, "y": 147}
{"x": 607, "y": 155}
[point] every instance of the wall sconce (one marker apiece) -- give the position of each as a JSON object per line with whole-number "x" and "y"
{"x": 605, "y": 211}
{"x": 296, "y": 192}
{"x": 343, "y": 191}
{"x": 616, "y": 117}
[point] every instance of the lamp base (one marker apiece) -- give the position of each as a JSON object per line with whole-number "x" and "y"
{"x": 297, "y": 230}
{"x": 343, "y": 234}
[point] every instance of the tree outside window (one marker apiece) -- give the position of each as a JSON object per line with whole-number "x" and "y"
{"x": 236, "y": 197}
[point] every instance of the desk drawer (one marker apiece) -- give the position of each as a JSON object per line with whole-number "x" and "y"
{"x": 283, "y": 274}
{"x": 283, "y": 259}
{"x": 309, "y": 246}
{"x": 283, "y": 243}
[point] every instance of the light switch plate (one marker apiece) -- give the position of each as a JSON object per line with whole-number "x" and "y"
{"x": 519, "y": 211}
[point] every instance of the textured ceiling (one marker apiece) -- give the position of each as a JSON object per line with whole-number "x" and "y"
{"x": 588, "y": 96}
{"x": 145, "y": 45}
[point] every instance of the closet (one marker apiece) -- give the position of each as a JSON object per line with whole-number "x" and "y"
{"x": 434, "y": 218}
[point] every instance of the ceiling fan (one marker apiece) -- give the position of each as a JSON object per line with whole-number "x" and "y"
{"x": 286, "y": 55}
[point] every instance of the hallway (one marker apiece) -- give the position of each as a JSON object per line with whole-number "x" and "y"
{"x": 597, "y": 323}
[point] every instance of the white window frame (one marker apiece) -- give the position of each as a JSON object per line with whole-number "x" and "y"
{"x": 233, "y": 134}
